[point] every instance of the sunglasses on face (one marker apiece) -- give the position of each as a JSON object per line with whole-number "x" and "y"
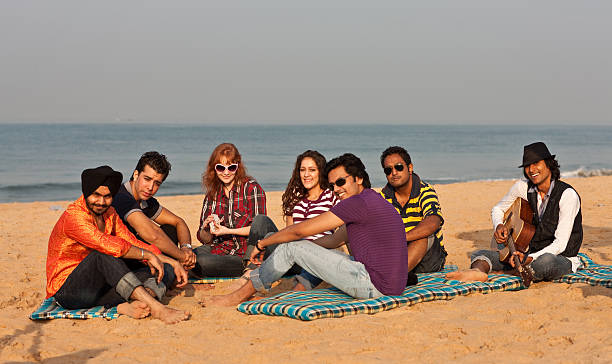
{"x": 339, "y": 182}
{"x": 398, "y": 167}
{"x": 222, "y": 168}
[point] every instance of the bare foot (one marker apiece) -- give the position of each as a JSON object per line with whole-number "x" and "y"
{"x": 298, "y": 287}
{"x": 170, "y": 315}
{"x": 134, "y": 309}
{"x": 227, "y": 300}
{"x": 468, "y": 275}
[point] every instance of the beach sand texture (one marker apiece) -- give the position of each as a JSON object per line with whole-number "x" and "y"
{"x": 549, "y": 322}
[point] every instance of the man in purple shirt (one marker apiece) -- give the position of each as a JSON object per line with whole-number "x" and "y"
{"x": 368, "y": 223}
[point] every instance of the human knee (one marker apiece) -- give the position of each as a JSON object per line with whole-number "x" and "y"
{"x": 262, "y": 225}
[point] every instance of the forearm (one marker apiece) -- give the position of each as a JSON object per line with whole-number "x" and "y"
{"x": 425, "y": 228}
{"x": 183, "y": 233}
{"x": 161, "y": 240}
{"x": 289, "y": 233}
{"x": 243, "y": 231}
{"x": 137, "y": 253}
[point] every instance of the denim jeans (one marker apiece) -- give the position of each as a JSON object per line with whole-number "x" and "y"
{"x": 336, "y": 268}
{"x": 103, "y": 280}
{"x": 215, "y": 265}
{"x": 546, "y": 267}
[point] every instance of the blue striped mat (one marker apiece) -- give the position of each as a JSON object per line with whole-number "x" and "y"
{"x": 331, "y": 302}
{"x": 50, "y": 309}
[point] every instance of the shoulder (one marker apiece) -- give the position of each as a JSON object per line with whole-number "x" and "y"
{"x": 251, "y": 185}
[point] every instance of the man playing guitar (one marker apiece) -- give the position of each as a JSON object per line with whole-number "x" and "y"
{"x": 557, "y": 219}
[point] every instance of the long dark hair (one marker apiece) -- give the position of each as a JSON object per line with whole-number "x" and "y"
{"x": 295, "y": 190}
{"x": 210, "y": 181}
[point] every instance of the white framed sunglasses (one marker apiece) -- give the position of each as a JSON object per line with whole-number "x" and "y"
{"x": 232, "y": 168}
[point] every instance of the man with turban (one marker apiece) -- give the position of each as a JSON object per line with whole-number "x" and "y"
{"x": 87, "y": 248}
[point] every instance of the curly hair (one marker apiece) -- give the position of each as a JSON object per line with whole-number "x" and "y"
{"x": 395, "y": 150}
{"x": 295, "y": 190}
{"x": 155, "y": 160}
{"x": 210, "y": 182}
{"x": 553, "y": 165}
{"x": 353, "y": 166}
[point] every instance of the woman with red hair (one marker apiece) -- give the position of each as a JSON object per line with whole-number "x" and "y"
{"x": 232, "y": 200}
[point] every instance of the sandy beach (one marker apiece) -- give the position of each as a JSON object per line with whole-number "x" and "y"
{"x": 549, "y": 322}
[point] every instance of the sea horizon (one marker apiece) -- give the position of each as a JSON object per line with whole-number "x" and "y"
{"x": 43, "y": 162}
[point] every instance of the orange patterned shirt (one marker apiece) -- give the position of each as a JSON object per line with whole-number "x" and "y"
{"x": 75, "y": 235}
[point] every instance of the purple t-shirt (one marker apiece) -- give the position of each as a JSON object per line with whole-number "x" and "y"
{"x": 377, "y": 239}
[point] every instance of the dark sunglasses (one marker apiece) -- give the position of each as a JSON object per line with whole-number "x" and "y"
{"x": 221, "y": 168}
{"x": 398, "y": 167}
{"x": 339, "y": 182}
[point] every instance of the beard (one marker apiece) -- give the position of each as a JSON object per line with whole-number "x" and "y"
{"x": 96, "y": 209}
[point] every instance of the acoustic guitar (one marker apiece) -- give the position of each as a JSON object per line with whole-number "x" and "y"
{"x": 517, "y": 220}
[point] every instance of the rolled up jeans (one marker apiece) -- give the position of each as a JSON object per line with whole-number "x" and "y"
{"x": 334, "y": 267}
{"x": 546, "y": 267}
{"x": 103, "y": 280}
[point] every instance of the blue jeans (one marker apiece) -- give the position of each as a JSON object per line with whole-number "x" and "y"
{"x": 336, "y": 268}
{"x": 546, "y": 267}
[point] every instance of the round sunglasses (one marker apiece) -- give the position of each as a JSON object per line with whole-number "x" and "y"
{"x": 398, "y": 167}
{"x": 222, "y": 168}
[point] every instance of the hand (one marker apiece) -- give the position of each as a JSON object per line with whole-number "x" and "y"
{"x": 179, "y": 271}
{"x": 521, "y": 257}
{"x": 189, "y": 258}
{"x": 220, "y": 230}
{"x": 207, "y": 221}
{"x": 501, "y": 234}
{"x": 256, "y": 254}
{"x": 154, "y": 264}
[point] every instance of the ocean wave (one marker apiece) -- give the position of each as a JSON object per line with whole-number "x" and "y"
{"x": 584, "y": 172}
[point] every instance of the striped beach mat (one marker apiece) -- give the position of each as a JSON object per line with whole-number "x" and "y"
{"x": 331, "y": 302}
{"x": 50, "y": 310}
{"x": 590, "y": 273}
{"x": 211, "y": 280}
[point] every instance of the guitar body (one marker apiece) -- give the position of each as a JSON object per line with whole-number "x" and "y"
{"x": 517, "y": 220}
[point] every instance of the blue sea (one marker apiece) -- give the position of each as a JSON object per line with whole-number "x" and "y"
{"x": 43, "y": 162}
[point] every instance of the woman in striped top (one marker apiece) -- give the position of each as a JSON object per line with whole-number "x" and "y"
{"x": 307, "y": 194}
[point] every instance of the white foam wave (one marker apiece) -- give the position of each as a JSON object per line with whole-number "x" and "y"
{"x": 584, "y": 172}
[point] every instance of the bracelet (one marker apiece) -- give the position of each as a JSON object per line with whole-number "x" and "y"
{"x": 258, "y": 248}
{"x": 141, "y": 253}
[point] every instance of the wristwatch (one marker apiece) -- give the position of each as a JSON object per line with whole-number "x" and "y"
{"x": 186, "y": 245}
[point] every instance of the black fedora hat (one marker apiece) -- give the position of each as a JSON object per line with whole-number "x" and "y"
{"x": 535, "y": 152}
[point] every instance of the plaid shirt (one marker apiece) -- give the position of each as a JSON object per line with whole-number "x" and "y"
{"x": 236, "y": 211}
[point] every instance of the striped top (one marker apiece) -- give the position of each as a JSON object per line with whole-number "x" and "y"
{"x": 306, "y": 209}
{"x": 423, "y": 202}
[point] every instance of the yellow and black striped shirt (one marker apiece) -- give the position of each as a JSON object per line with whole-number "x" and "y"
{"x": 423, "y": 202}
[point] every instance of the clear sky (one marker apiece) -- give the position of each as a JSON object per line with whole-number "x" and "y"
{"x": 312, "y": 60}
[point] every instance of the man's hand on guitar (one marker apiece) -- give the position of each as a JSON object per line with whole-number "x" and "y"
{"x": 501, "y": 234}
{"x": 521, "y": 257}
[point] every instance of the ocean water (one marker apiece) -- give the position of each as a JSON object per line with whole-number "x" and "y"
{"x": 43, "y": 162}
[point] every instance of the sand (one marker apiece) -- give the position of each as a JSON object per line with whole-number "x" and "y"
{"x": 550, "y": 322}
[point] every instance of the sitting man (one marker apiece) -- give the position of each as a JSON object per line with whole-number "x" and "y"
{"x": 87, "y": 254}
{"x": 557, "y": 219}
{"x": 371, "y": 227}
{"x": 146, "y": 218}
{"x": 417, "y": 204}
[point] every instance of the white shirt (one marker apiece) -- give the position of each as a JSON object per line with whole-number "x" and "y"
{"x": 569, "y": 205}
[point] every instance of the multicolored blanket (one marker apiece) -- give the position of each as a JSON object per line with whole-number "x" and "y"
{"x": 331, "y": 302}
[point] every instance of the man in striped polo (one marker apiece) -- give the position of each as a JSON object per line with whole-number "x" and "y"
{"x": 418, "y": 205}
